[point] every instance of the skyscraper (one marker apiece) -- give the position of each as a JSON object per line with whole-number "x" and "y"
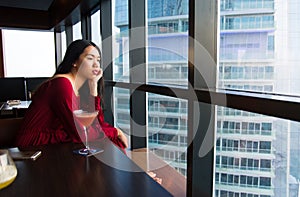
{"x": 253, "y": 152}
{"x": 244, "y": 150}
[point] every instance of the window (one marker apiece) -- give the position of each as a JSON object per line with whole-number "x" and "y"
{"x": 64, "y": 43}
{"x": 96, "y": 35}
{"x": 20, "y": 58}
{"x": 120, "y": 62}
{"x": 167, "y": 119}
{"x": 265, "y": 164}
{"x": 120, "y": 40}
{"x": 121, "y": 110}
{"x": 77, "y": 31}
{"x": 265, "y": 182}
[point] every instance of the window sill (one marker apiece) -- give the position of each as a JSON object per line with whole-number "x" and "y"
{"x": 172, "y": 181}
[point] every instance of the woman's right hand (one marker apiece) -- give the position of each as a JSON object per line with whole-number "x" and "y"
{"x": 122, "y": 137}
{"x": 93, "y": 83}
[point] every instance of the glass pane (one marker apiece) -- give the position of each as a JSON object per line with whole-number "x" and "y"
{"x": 77, "y": 31}
{"x": 122, "y": 110}
{"x": 95, "y": 23}
{"x": 63, "y": 49}
{"x": 168, "y": 41}
{"x": 64, "y": 43}
{"x": 30, "y": 57}
{"x": 259, "y": 52}
{"x": 167, "y": 130}
{"x": 268, "y": 153}
{"x": 253, "y": 54}
{"x": 120, "y": 41}
{"x": 121, "y": 64}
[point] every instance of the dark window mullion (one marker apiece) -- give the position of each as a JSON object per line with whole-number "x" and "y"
{"x": 200, "y": 176}
{"x": 86, "y": 27}
{"x": 107, "y": 56}
{"x": 58, "y": 47}
{"x": 69, "y": 34}
{"x": 138, "y": 69}
{"x": 1, "y": 56}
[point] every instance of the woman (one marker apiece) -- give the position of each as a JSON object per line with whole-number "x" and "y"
{"x": 77, "y": 84}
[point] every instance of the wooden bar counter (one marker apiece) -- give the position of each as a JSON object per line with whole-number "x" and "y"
{"x": 60, "y": 172}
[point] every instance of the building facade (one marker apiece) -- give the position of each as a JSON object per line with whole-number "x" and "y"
{"x": 257, "y": 155}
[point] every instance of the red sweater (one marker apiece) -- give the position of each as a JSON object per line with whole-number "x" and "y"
{"x": 50, "y": 119}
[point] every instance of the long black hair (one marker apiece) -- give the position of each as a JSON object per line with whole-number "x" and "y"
{"x": 74, "y": 50}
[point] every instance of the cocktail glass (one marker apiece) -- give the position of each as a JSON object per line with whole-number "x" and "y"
{"x": 86, "y": 119}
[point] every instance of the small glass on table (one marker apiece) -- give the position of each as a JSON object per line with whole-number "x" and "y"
{"x": 86, "y": 118}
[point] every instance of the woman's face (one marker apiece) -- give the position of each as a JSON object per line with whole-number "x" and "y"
{"x": 89, "y": 63}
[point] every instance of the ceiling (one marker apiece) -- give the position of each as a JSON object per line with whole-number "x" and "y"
{"x": 27, "y": 4}
{"x": 43, "y": 14}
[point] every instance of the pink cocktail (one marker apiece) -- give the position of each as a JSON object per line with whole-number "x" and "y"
{"x": 86, "y": 119}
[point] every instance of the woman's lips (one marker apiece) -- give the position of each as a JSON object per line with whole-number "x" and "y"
{"x": 96, "y": 72}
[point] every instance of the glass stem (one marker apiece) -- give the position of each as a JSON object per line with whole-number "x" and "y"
{"x": 86, "y": 137}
